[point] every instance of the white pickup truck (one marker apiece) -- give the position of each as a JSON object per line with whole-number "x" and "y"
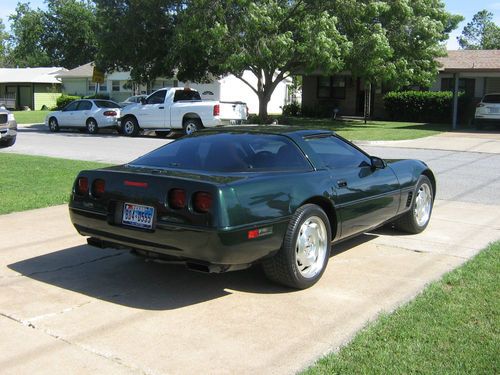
{"x": 179, "y": 108}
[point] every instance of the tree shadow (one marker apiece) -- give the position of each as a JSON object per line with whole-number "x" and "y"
{"x": 103, "y": 133}
{"x": 124, "y": 279}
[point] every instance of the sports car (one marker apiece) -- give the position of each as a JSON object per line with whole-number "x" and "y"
{"x": 225, "y": 199}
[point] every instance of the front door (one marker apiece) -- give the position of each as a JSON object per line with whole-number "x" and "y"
{"x": 67, "y": 116}
{"x": 366, "y": 196}
{"x": 152, "y": 113}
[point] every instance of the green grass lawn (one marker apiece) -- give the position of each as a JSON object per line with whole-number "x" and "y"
{"x": 453, "y": 327}
{"x": 30, "y": 117}
{"x": 373, "y": 130}
{"x": 28, "y": 182}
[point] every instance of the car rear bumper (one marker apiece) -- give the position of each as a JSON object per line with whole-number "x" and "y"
{"x": 207, "y": 245}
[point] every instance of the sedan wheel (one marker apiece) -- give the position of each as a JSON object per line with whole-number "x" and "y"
{"x": 301, "y": 261}
{"x": 418, "y": 217}
{"x": 53, "y": 125}
{"x": 92, "y": 127}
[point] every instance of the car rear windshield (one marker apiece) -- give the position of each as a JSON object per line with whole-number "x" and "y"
{"x": 106, "y": 104}
{"x": 495, "y": 99}
{"x": 228, "y": 152}
{"x": 186, "y": 95}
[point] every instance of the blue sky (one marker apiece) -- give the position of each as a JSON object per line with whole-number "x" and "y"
{"x": 466, "y": 8}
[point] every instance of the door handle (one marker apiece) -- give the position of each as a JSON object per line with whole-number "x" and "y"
{"x": 161, "y": 107}
{"x": 342, "y": 183}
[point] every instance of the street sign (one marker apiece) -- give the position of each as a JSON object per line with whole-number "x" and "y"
{"x": 97, "y": 76}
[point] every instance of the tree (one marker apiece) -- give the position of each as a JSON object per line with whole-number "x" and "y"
{"x": 138, "y": 36}
{"x": 27, "y": 28}
{"x": 69, "y": 32}
{"x": 4, "y": 38}
{"x": 270, "y": 38}
{"x": 480, "y": 33}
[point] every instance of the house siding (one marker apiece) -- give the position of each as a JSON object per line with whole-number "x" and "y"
{"x": 46, "y": 95}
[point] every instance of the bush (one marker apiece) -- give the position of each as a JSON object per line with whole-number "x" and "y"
{"x": 255, "y": 119}
{"x": 64, "y": 100}
{"x": 425, "y": 106}
{"x": 292, "y": 109}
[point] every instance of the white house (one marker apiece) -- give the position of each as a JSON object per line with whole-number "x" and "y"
{"x": 118, "y": 86}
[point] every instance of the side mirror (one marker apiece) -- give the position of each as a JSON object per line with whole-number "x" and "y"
{"x": 143, "y": 101}
{"x": 377, "y": 163}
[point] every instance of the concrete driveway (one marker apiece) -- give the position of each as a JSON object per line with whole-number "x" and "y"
{"x": 66, "y": 307}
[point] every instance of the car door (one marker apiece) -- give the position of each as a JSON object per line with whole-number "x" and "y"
{"x": 367, "y": 196}
{"x": 65, "y": 117}
{"x": 151, "y": 114}
{"x": 84, "y": 111}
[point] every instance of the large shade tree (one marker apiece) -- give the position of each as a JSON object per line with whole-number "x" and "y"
{"x": 270, "y": 38}
{"x": 480, "y": 33}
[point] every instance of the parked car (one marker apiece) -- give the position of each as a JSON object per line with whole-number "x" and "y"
{"x": 132, "y": 100}
{"x": 224, "y": 200}
{"x": 89, "y": 114}
{"x": 179, "y": 108}
{"x": 488, "y": 110}
{"x": 8, "y": 128}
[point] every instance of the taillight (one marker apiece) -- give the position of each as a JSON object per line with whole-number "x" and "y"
{"x": 109, "y": 113}
{"x": 98, "y": 187}
{"x": 202, "y": 202}
{"x": 82, "y": 185}
{"x": 216, "y": 110}
{"x": 177, "y": 198}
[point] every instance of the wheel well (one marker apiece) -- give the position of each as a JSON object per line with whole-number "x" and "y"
{"x": 192, "y": 116}
{"x": 90, "y": 118}
{"x": 431, "y": 177}
{"x": 53, "y": 117}
{"x": 329, "y": 209}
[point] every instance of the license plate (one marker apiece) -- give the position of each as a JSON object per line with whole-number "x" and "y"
{"x": 494, "y": 110}
{"x": 137, "y": 215}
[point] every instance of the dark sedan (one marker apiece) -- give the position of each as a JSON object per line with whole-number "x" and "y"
{"x": 224, "y": 200}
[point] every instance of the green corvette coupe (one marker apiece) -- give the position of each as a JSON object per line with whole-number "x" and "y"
{"x": 224, "y": 200}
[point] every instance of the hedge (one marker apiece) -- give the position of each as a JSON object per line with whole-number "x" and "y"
{"x": 426, "y": 106}
{"x": 64, "y": 100}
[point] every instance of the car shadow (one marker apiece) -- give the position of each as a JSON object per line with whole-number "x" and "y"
{"x": 122, "y": 278}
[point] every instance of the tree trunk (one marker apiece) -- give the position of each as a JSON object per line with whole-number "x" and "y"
{"x": 263, "y": 101}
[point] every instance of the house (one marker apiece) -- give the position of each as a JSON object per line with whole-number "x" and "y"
{"x": 118, "y": 86}
{"x": 31, "y": 88}
{"x": 477, "y": 71}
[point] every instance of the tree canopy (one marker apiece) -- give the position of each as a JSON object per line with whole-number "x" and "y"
{"x": 480, "y": 33}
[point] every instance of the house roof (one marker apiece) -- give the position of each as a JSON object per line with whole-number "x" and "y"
{"x": 82, "y": 71}
{"x": 470, "y": 61}
{"x": 30, "y": 75}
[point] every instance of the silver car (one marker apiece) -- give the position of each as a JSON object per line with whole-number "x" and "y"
{"x": 488, "y": 110}
{"x": 133, "y": 100}
{"x": 8, "y": 128}
{"x": 89, "y": 114}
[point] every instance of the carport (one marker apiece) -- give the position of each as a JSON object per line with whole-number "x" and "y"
{"x": 475, "y": 72}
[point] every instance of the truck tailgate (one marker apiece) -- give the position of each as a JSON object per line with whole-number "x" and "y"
{"x": 233, "y": 111}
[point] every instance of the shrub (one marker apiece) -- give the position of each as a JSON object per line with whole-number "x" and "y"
{"x": 64, "y": 100}
{"x": 424, "y": 106}
{"x": 292, "y": 109}
{"x": 255, "y": 119}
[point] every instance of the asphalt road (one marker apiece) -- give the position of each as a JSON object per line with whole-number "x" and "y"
{"x": 68, "y": 308}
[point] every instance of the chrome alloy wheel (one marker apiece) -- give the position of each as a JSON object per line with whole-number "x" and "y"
{"x": 191, "y": 128}
{"x": 128, "y": 127}
{"x": 423, "y": 205}
{"x": 92, "y": 126}
{"x": 311, "y": 247}
{"x": 53, "y": 126}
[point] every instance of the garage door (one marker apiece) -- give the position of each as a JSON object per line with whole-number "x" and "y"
{"x": 492, "y": 85}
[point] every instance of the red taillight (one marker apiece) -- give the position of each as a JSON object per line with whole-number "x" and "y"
{"x": 216, "y": 110}
{"x": 82, "y": 185}
{"x": 202, "y": 202}
{"x": 254, "y": 233}
{"x": 109, "y": 113}
{"x": 135, "y": 184}
{"x": 98, "y": 187}
{"x": 177, "y": 198}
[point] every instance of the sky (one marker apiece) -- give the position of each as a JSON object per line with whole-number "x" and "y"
{"x": 466, "y": 8}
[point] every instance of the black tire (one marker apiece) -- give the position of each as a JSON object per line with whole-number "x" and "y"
{"x": 92, "y": 127}
{"x": 7, "y": 142}
{"x": 130, "y": 127}
{"x": 284, "y": 267}
{"x": 409, "y": 222}
{"x": 191, "y": 125}
{"x": 53, "y": 125}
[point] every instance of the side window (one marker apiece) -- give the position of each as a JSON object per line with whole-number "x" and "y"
{"x": 157, "y": 97}
{"x": 336, "y": 153}
{"x": 186, "y": 95}
{"x": 71, "y": 106}
{"x": 85, "y": 105}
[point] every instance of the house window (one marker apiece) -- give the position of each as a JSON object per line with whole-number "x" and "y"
{"x": 332, "y": 87}
{"x": 91, "y": 87}
{"x": 466, "y": 85}
{"x": 103, "y": 86}
{"x": 115, "y": 85}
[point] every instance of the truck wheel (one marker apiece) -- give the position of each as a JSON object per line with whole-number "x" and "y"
{"x": 191, "y": 125}
{"x": 130, "y": 127}
{"x": 303, "y": 257}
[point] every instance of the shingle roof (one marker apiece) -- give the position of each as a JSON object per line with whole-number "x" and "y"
{"x": 471, "y": 60}
{"x": 30, "y": 75}
{"x": 82, "y": 71}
